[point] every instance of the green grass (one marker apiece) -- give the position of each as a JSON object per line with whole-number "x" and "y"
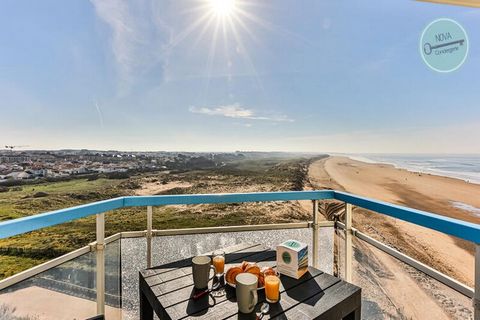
{"x": 16, "y": 204}
{"x": 11, "y": 265}
{"x": 25, "y": 251}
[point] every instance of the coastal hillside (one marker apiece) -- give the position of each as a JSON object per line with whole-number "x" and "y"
{"x": 255, "y": 174}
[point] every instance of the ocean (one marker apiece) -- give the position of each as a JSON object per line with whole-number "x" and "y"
{"x": 464, "y": 167}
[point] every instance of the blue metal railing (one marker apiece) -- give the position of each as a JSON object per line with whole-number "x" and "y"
{"x": 458, "y": 228}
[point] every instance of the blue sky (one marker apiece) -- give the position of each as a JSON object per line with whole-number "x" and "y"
{"x": 333, "y": 76}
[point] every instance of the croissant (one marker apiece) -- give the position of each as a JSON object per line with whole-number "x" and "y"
{"x": 249, "y": 267}
{"x": 261, "y": 281}
{"x": 253, "y": 269}
{"x": 232, "y": 274}
{"x": 268, "y": 271}
{"x": 246, "y": 264}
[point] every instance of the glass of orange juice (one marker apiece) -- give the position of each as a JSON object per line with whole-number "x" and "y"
{"x": 272, "y": 289}
{"x": 218, "y": 261}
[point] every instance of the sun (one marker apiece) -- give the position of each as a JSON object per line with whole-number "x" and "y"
{"x": 222, "y": 8}
{"x": 232, "y": 24}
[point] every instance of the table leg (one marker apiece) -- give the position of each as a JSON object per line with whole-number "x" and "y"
{"x": 146, "y": 310}
{"x": 354, "y": 315}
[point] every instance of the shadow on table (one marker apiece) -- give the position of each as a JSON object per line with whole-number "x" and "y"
{"x": 304, "y": 292}
{"x": 197, "y": 308}
{"x": 275, "y": 309}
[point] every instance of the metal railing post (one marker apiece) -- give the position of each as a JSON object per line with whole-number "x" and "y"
{"x": 348, "y": 242}
{"x": 315, "y": 234}
{"x": 476, "y": 298}
{"x": 100, "y": 253}
{"x": 149, "y": 235}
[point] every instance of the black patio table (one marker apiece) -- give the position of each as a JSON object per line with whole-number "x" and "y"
{"x": 168, "y": 289}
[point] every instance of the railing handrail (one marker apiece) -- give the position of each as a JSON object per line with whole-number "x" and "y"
{"x": 459, "y": 228}
{"x": 454, "y": 227}
{"x": 216, "y": 198}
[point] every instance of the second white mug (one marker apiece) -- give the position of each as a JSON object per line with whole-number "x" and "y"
{"x": 246, "y": 290}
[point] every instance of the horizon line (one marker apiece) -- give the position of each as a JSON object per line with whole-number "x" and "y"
{"x": 249, "y": 151}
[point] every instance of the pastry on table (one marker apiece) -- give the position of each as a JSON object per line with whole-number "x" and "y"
{"x": 249, "y": 267}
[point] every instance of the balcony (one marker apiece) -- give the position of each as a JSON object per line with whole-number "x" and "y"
{"x": 102, "y": 278}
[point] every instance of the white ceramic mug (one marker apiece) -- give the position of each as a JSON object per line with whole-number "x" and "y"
{"x": 201, "y": 266}
{"x": 246, "y": 291}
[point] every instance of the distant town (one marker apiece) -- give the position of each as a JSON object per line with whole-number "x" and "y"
{"x": 29, "y": 165}
{"x": 21, "y": 166}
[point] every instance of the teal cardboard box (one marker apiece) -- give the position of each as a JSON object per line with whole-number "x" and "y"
{"x": 292, "y": 258}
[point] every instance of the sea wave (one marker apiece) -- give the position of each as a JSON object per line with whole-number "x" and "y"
{"x": 466, "y": 207}
{"x": 466, "y": 168}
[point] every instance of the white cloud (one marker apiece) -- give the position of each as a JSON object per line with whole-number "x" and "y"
{"x": 237, "y": 111}
{"x": 139, "y": 38}
{"x": 229, "y": 111}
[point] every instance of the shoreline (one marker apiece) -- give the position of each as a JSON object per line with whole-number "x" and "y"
{"x": 413, "y": 169}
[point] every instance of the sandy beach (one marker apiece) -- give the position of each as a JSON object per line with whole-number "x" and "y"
{"x": 437, "y": 194}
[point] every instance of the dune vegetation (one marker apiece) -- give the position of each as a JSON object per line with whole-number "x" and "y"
{"x": 24, "y": 251}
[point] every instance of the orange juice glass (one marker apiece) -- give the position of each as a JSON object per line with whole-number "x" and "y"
{"x": 218, "y": 262}
{"x": 272, "y": 289}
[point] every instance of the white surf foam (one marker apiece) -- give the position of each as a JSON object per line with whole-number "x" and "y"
{"x": 465, "y": 168}
{"x": 466, "y": 207}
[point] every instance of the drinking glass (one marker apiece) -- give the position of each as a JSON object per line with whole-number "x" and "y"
{"x": 218, "y": 261}
{"x": 272, "y": 289}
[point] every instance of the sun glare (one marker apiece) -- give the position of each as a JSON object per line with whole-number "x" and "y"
{"x": 232, "y": 24}
{"x": 222, "y": 8}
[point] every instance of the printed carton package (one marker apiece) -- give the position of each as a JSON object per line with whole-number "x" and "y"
{"x": 292, "y": 258}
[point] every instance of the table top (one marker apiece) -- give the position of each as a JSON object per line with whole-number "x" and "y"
{"x": 316, "y": 295}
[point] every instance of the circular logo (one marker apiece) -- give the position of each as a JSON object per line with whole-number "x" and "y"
{"x": 286, "y": 257}
{"x": 292, "y": 244}
{"x": 444, "y": 45}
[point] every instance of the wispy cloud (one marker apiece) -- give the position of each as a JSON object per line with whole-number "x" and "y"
{"x": 238, "y": 112}
{"x": 139, "y": 38}
{"x": 99, "y": 112}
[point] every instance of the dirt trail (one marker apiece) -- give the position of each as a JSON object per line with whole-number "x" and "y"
{"x": 153, "y": 188}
